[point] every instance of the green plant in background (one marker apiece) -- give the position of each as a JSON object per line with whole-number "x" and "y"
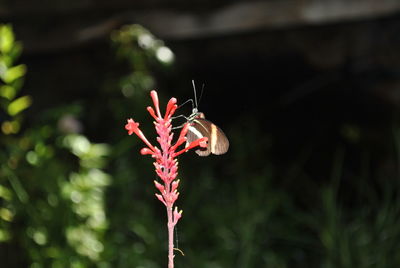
{"x": 52, "y": 180}
{"x": 142, "y": 50}
{"x": 366, "y": 235}
{"x": 11, "y": 77}
{"x": 85, "y": 188}
{"x": 64, "y": 221}
{"x": 12, "y": 105}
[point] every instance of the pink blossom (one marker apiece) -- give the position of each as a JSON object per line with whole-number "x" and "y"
{"x": 165, "y": 161}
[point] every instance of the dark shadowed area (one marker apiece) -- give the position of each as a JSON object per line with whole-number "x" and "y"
{"x": 308, "y": 93}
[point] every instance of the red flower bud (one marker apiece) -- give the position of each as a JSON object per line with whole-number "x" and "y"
{"x": 132, "y": 126}
{"x": 160, "y": 187}
{"x": 145, "y": 151}
{"x": 154, "y": 97}
{"x": 171, "y": 107}
{"x": 174, "y": 185}
{"x": 177, "y": 215}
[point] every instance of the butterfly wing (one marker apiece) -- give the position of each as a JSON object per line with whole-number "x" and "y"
{"x": 197, "y": 131}
{"x": 217, "y": 141}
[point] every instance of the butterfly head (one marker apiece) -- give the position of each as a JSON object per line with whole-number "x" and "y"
{"x": 195, "y": 114}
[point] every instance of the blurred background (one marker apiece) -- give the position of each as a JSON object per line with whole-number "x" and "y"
{"x": 308, "y": 93}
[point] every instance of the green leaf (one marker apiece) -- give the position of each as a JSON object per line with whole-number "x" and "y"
{"x": 16, "y": 185}
{"x": 4, "y": 235}
{"x": 5, "y": 193}
{"x": 19, "y": 105}
{"x": 7, "y": 92}
{"x": 14, "y": 73}
{"x": 6, "y": 39}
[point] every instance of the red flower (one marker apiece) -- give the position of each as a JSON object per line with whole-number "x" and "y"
{"x": 166, "y": 164}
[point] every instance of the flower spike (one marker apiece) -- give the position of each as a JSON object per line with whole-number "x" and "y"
{"x": 165, "y": 161}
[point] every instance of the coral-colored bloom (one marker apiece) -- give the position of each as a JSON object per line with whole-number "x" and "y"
{"x": 166, "y": 164}
{"x": 165, "y": 158}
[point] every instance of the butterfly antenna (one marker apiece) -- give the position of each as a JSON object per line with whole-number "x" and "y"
{"x": 195, "y": 96}
{"x": 201, "y": 92}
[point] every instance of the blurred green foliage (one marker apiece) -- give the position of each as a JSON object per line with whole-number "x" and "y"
{"x": 11, "y": 77}
{"x": 52, "y": 180}
{"x": 66, "y": 201}
{"x": 141, "y": 50}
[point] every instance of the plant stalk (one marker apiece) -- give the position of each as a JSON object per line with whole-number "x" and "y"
{"x": 170, "y": 238}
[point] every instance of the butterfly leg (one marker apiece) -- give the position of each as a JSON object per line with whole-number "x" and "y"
{"x": 179, "y": 116}
{"x": 189, "y": 100}
{"x": 178, "y": 127}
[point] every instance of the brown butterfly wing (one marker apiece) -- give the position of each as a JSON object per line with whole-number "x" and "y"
{"x": 217, "y": 141}
{"x": 197, "y": 131}
{"x": 222, "y": 145}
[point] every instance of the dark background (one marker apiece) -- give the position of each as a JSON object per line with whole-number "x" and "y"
{"x": 307, "y": 93}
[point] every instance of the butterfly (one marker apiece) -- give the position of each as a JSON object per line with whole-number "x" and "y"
{"x": 200, "y": 127}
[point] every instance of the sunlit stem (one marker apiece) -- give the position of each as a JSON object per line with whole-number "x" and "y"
{"x": 171, "y": 226}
